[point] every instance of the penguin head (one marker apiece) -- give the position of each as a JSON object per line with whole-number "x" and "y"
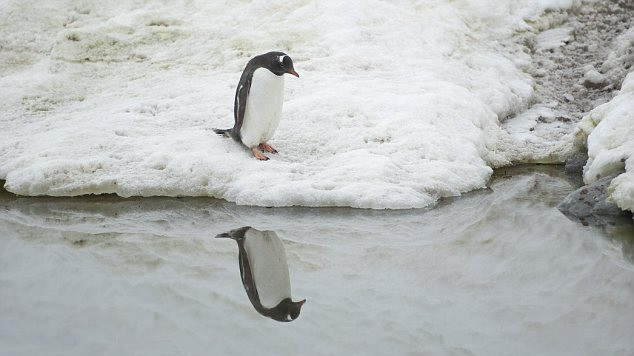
{"x": 295, "y": 308}
{"x": 287, "y": 310}
{"x": 281, "y": 63}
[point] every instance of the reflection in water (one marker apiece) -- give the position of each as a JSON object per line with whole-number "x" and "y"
{"x": 264, "y": 273}
{"x": 500, "y": 271}
{"x": 619, "y": 229}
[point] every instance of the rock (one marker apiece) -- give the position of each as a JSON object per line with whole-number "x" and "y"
{"x": 575, "y": 164}
{"x": 546, "y": 118}
{"x": 593, "y": 79}
{"x": 569, "y": 98}
{"x": 589, "y": 204}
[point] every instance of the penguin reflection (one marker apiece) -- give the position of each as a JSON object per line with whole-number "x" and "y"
{"x": 264, "y": 273}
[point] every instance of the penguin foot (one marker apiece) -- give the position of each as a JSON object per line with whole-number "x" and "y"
{"x": 266, "y": 147}
{"x": 257, "y": 154}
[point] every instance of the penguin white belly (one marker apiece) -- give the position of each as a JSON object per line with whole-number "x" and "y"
{"x": 269, "y": 268}
{"x": 263, "y": 109}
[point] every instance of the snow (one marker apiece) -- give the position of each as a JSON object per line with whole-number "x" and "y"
{"x": 398, "y": 104}
{"x": 610, "y": 141}
{"x": 621, "y": 59}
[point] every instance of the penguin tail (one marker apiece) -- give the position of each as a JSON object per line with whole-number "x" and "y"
{"x": 224, "y": 235}
{"x": 223, "y": 132}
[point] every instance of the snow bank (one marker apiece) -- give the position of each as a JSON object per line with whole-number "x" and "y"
{"x": 608, "y": 130}
{"x": 397, "y": 105}
{"x": 611, "y": 144}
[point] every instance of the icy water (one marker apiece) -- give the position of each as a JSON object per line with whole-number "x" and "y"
{"x": 496, "y": 272}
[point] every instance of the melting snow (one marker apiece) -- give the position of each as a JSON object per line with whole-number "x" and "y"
{"x": 397, "y": 106}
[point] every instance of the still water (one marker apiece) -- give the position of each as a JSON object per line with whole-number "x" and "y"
{"x": 496, "y": 272}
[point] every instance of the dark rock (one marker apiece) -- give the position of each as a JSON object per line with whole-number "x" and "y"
{"x": 589, "y": 204}
{"x": 574, "y": 165}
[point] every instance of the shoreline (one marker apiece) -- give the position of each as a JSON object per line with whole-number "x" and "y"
{"x": 498, "y": 173}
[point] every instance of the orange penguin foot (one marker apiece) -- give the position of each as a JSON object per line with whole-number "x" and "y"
{"x": 257, "y": 154}
{"x": 266, "y": 147}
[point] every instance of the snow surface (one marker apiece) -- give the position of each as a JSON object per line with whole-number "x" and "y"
{"x": 611, "y": 144}
{"x": 397, "y": 105}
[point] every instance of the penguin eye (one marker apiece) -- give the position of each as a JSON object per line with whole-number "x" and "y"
{"x": 280, "y": 60}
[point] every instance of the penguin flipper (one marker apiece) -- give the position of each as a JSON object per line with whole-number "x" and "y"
{"x": 240, "y": 104}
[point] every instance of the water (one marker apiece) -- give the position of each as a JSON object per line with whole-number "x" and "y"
{"x": 496, "y": 272}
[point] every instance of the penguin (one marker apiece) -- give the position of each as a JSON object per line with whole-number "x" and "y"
{"x": 257, "y": 106}
{"x": 264, "y": 273}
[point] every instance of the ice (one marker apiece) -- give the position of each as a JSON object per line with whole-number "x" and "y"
{"x": 397, "y": 106}
{"x": 554, "y": 38}
{"x": 610, "y": 140}
{"x": 544, "y": 134}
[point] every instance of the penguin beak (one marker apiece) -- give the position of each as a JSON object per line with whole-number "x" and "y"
{"x": 293, "y": 72}
{"x": 301, "y": 302}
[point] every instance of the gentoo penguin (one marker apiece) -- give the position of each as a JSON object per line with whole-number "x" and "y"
{"x": 264, "y": 273}
{"x": 257, "y": 107}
